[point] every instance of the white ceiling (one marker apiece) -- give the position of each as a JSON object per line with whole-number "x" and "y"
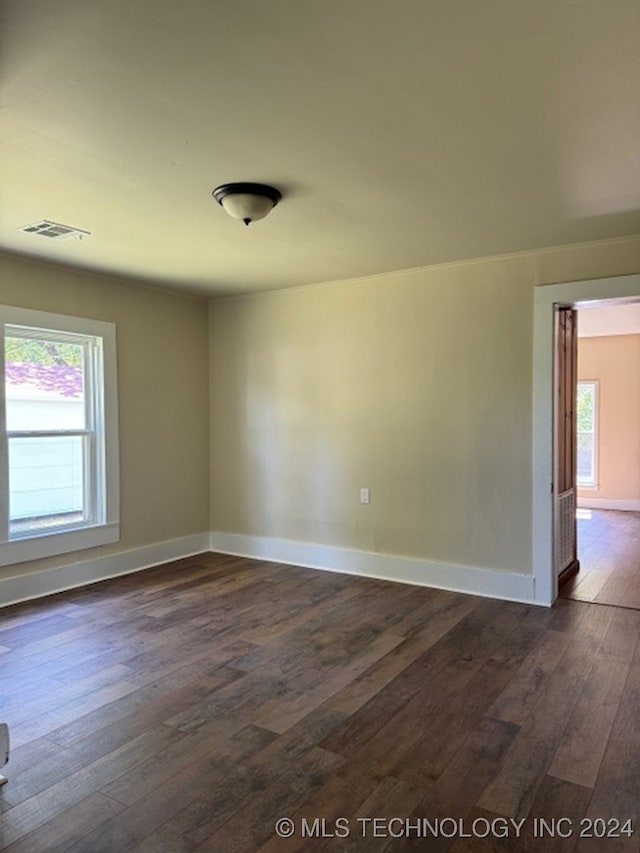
{"x": 401, "y": 133}
{"x": 605, "y": 319}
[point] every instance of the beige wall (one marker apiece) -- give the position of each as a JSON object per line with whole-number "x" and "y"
{"x": 163, "y": 396}
{"x": 416, "y": 384}
{"x": 615, "y": 363}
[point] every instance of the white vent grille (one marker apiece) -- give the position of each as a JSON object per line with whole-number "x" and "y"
{"x": 54, "y": 230}
{"x": 565, "y": 530}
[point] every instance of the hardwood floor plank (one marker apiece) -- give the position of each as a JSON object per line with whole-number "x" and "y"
{"x": 512, "y": 791}
{"x": 470, "y": 770}
{"x": 392, "y": 798}
{"x": 62, "y": 831}
{"x": 48, "y": 723}
{"x": 621, "y": 639}
{"x": 171, "y": 692}
{"x": 70, "y": 790}
{"x": 35, "y": 753}
{"x": 451, "y": 654}
{"x": 455, "y": 792}
{"x": 144, "y": 778}
{"x": 296, "y": 741}
{"x": 400, "y": 725}
{"x": 170, "y": 798}
{"x": 42, "y": 699}
{"x": 561, "y": 805}
{"x": 434, "y": 623}
{"x": 337, "y": 798}
{"x": 278, "y": 716}
{"x": 459, "y": 715}
{"x": 292, "y": 616}
{"x": 518, "y": 698}
{"x": 250, "y": 777}
{"x": 609, "y": 554}
{"x": 240, "y": 698}
{"x": 616, "y": 792}
{"x": 253, "y": 822}
{"x": 188, "y": 707}
{"x": 31, "y": 631}
{"x": 590, "y": 723}
{"x": 450, "y": 725}
{"x": 621, "y": 579}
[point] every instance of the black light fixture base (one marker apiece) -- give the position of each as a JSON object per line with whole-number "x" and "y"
{"x": 224, "y": 190}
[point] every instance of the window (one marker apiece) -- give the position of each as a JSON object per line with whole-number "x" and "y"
{"x": 58, "y": 435}
{"x": 587, "y": 408}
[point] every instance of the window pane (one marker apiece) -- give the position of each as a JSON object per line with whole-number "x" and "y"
{"x": 586, "y": 428}
{"x": 586, "y": 406}
{"x": 44, "y": 384}
{"x": 59, "y": 442}
{"x": 46, "y": 482}
{"x": 585, "y": 458}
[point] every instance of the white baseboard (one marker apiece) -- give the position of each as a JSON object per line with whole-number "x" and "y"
{"x": 475, "y": 581}
{"x": 609, "y": 503}
{"x": 36, "y": 584}
{"x": 489, "y": 583}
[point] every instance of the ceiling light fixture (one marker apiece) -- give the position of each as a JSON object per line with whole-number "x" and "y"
{"x": 247, "y": 201}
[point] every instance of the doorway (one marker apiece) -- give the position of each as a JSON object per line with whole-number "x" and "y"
{"x": 608, "y": 455}
{"x": 547, "y": 299}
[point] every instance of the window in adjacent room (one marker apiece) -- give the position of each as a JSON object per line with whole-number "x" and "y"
{"x": 587, "y": 410}
{"x": 58, "y": 449}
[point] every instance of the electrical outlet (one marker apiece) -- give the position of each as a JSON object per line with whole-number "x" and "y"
{"x": 365, "y": 496}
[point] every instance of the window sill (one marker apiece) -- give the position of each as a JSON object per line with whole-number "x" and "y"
{"x": 52, "y": 544}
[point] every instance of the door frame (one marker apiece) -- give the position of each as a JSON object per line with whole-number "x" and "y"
{"x": 546, "y": 299}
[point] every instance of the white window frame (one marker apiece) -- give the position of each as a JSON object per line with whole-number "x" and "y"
{"x": 103, "y": 526}
{"x": 591, "y": 483}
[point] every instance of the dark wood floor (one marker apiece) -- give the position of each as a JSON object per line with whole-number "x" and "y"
{"x": 609, "y": 554}
{"x": 190, "y": 707}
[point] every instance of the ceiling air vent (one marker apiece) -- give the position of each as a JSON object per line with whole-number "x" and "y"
{"x": 54, "y": 230}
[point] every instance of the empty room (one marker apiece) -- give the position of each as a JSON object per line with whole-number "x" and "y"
{"x": 319, "y": 498}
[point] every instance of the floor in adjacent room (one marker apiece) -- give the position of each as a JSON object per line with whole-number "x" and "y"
{"x": 609, "y": 555}
{"x": 192, "y": 706}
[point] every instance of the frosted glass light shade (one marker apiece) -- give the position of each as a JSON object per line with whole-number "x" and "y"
{"x": 246, "y": 206}
{"x": 247, "y": 201}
